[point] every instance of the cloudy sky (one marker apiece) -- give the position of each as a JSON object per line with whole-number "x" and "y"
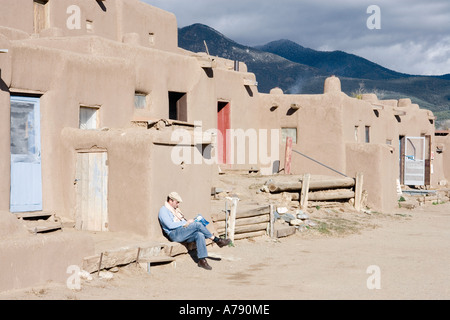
{"x": 414, "y": 36}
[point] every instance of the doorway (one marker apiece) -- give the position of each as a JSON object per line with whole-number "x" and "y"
{"x": 412, "y": 160}
{"x": 25, "y": 138}
{"x": 91, "y": 184}
{"x": 223, "y": 125}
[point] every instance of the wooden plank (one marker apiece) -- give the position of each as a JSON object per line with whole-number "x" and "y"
{"x": 339, "y": 194}
{"x": 242, "y": 212}
{"x": 245, "y": 221}
{"x": 37, "y": 214}
{"x": 45, "y": 228}
{"x": 249, "y": 234}
{"x": 358, "y": 191}
{"x": 247, "y": 228}
{"x": 304, "y": 192}
{"x": 288, "y": 156}
{"x": 157, "y": 259}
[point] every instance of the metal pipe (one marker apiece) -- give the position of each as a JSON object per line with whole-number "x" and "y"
{"x": 319, "y": 163}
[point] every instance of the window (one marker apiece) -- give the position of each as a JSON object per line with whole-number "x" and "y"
{"x": 367, "y": 134}
{"x": 151, "y": 38}
{"x": 90, "y": 26}
{"x": 178, "y": 106}
{"x": 140, "y": 100}
{"x": 356, "y": 133}
{"x": 289, "y": 132}
{"x": 89, "y": 118}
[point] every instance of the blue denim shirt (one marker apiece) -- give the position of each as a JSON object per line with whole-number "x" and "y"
{"x": 166, "y": 219}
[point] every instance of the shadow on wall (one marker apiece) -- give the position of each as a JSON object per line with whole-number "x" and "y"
{"x": 3, "y": 85}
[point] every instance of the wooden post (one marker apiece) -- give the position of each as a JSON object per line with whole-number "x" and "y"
{"x": 288, "y": 156}
{"x": 271, "y": 221}
{"x": 100, "y": 264}
{"x": 304, "y": 192}
{"x": 358, "y": 191}
{"x": 232, "y": 219}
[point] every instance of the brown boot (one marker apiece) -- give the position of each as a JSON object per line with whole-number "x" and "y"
{"x": 223, "y": 242}
{"x": 202, "y": 263}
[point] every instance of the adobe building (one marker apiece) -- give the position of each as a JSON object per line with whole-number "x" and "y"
{"x": 102, "y": 115}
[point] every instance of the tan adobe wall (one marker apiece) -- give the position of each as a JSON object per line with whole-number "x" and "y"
{"x": 118, "y": 20}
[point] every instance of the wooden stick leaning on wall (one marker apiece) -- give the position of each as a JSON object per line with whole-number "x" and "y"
{"x": 358, "y": 191}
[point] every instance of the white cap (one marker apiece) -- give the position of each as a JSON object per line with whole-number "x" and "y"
{"x": 175, "y": 196}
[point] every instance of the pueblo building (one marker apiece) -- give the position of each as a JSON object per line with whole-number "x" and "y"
{"x": 102, "y": 115}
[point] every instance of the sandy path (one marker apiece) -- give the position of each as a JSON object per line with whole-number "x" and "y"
{"x": 409, "y": 248}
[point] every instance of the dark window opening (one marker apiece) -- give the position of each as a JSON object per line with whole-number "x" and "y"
{"x": 178, "y": 106}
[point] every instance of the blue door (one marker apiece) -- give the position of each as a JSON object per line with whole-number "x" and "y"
{"x": 26, "y": 177}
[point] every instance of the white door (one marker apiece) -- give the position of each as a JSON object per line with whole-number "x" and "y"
{"x": 414, "y": 161}
{"x": 92, "y": 191}
{"x": 26, "y": 176}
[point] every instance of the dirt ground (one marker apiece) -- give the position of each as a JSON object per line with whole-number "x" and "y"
{"x": 399, "y": 255}
{"x": 403, "y": 254}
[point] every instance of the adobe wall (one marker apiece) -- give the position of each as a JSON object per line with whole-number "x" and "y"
{"x": 379, "y": 166}
{"x": 27, "y": 259}
{"x": 442, "y": 160}
{"x": 112, "y": 19}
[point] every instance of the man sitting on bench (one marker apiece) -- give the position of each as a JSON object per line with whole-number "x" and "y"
{"x": 178, "y": 229}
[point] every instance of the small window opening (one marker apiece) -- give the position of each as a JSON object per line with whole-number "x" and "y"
{"x": 151, "y": 38}
{"x": 140, "y": 100}
{"x": 289, "y": 132}
{"x": 367, "y": 134}
{"x": 89, "y": 118}
{"x": 178, "y": 106}
{"x": 90, "y": 26}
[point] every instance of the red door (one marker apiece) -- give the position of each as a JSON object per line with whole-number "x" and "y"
{"x": 223, "y": 124}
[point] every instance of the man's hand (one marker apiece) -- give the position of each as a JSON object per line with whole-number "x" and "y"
{"x": 189, "y": 222}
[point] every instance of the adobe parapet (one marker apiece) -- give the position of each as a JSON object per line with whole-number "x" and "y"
{"x": 332, "y": 84}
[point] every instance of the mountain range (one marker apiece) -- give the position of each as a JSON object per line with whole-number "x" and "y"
{"x": 299, "y": 70}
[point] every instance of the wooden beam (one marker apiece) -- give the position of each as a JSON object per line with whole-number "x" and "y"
{"x": 304, "y": 192}
{"x": 340, "y": 194}
{"x": 288, "y": 156}
{"x": 245, "y": 221}
{"x": 296, "y": 186}
{"x": 358, "y": 191}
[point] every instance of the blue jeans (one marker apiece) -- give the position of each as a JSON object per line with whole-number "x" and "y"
{"x": 195, "y": 232}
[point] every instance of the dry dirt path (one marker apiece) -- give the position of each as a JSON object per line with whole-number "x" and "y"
{"x": 406, "y": 251}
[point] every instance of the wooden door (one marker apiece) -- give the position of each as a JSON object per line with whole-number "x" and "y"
{"x": 25, "y": 137}
{"x": 223, "y": 124}
{"x": 92, "y": 191}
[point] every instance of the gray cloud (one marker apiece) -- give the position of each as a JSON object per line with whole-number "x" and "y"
{"x": 414, "y": 36}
